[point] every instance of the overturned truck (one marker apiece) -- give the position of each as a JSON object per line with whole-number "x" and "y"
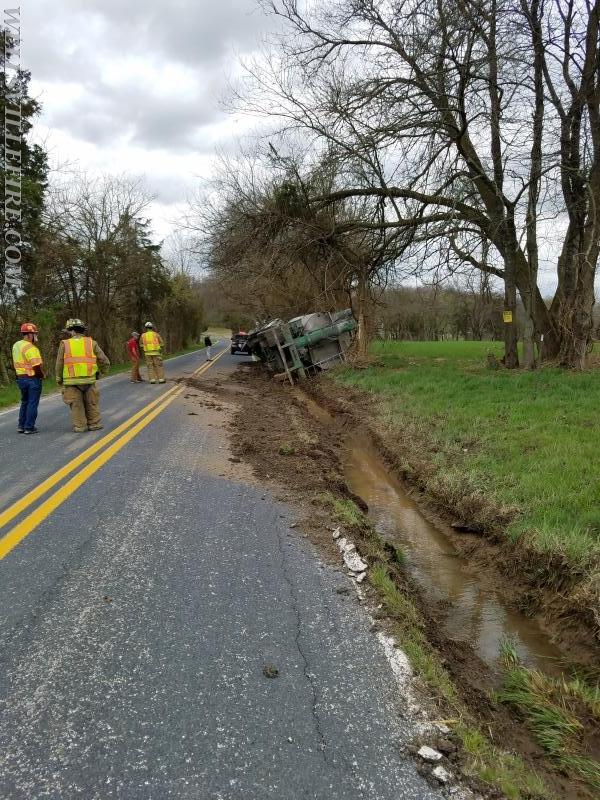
{"x": 304, "y": 344}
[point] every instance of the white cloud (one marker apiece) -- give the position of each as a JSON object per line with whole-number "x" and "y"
{"x": 134, "y": 85}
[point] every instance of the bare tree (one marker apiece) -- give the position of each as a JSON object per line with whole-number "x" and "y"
{"x": 179, "y": 251}
{"x": 475, "y": 120}
{"x": 278, "y": 253}
{"x": 91, "y": 226}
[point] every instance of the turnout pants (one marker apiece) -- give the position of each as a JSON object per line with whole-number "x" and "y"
{"x": 84, "y": 402}
{"x": 156, "y": 371}
{"x": 135, "y": 370}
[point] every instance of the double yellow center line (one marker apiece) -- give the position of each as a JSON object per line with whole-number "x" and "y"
{"x": 119, "y": 437}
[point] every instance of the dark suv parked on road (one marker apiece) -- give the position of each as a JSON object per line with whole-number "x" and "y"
{"x": 239, "y": 343}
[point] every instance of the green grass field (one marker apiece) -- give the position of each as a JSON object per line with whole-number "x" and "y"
{"x": 527, "y": 440}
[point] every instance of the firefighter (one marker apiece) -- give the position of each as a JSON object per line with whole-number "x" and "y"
{"x": 27, "y": 361}
{"x": 152, "y": 343}
{"x": 78, "y": 363}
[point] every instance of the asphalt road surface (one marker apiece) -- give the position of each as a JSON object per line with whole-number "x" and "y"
{"x": 142, "y": 597}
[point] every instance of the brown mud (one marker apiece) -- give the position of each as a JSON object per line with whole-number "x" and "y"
{"x": 301, "y": 443}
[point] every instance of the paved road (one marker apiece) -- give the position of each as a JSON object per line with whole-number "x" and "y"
{"x": 22, "y": 466}
{"x": 138, "y": 616}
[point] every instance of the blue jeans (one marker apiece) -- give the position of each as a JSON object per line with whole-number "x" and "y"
{"x": 31, "y": 389}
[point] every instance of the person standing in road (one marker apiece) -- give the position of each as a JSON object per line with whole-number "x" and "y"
{"x": 27, "y": 361}
{"x": 133, "y": 350}
{"x": 208, "y": 345}
{"x": 78, "y": 362}
{"x": 152, "y": 344}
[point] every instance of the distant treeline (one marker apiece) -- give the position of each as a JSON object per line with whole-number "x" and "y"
{"x": 86, "y": 251}
{"x": 432, "y": 313}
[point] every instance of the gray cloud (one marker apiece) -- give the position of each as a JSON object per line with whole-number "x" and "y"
{"x": 169, "y": 191}
{"x": 196, "y": 34}
{"x": 136, "y": 84}
{"x": 105, "y": 115}
{"x": 85, "y": 42}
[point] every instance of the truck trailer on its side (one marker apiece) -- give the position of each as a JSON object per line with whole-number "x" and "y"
{"x": 304, "y": 344}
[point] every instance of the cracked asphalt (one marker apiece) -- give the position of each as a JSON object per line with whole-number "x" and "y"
{"x": 138, "y": 619}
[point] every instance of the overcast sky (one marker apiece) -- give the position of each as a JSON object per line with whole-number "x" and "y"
{"x": 135, "y": 85}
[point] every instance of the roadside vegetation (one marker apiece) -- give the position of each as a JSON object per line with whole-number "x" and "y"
{"x": 513, "y": 455}
{"x": 563, "y": 715}
{"x": 90, "y": 253}
{"x": 481, "y": 759}
{"x": 515, "y": 451}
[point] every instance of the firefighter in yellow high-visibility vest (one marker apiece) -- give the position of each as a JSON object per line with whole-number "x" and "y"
{"x": 27, "y": 362}
{"x": 78, "y": 364}
{"x": 152, "y": 343}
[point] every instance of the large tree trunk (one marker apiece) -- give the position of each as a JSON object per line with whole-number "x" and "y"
{"x": 530, "y": 335}
{"x": 529, "y": 360}
{"x": 572, "y": 311}
{"x": 518, "y": 274}
{"x": 543, "y": 320}
{"x": 362, "y": 336}
{"x": 574, "y": 299}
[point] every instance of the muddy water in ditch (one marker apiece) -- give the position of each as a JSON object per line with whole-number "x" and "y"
{"x": 476, "y": 615}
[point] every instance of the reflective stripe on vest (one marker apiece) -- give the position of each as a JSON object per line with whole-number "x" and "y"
{"x": 80, "y": 361}
{"x": 26, "y": 356}
{"x": 151, "y": 343}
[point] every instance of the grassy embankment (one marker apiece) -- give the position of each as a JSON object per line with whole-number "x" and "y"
{"x": 10, "y": 395}
{"x": 526, "y": 441}
{"x": 562, "y": 714}
{"x": 516, "y": 453}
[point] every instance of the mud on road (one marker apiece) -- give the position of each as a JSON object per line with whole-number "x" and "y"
{"x": 294, "y": 441}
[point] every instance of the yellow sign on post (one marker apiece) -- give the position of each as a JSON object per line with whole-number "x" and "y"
{"x": 507, "y": 316}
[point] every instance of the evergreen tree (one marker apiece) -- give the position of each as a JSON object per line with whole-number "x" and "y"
{"x": 23, "y": 174}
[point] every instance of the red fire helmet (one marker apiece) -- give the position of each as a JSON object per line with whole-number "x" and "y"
{"x": 29, "y": 327}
